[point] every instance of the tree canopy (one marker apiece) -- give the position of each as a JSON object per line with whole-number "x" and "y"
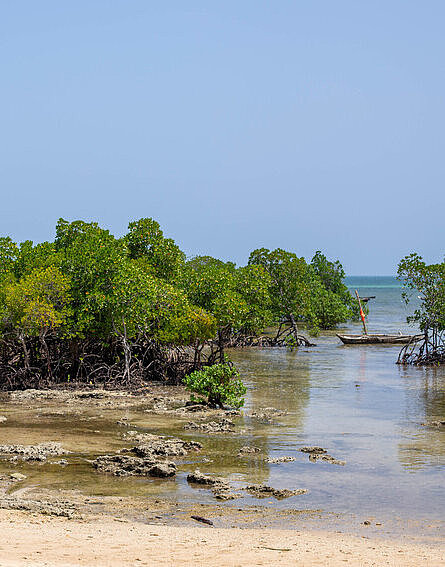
{"x": 428, "y": 283}
{"x": 89, "y": 297}
{"x": 312, "y": 293}
{"x": 238, "y": 298}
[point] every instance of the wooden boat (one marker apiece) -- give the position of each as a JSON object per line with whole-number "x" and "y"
{"x": 375, "y": 339}
{"x": 366, "y": 299}
{"x": 378, "y": 339}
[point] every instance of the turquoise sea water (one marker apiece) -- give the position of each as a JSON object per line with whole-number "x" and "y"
{"x": 374, "y": 282}
{"x": 388, "y": 311}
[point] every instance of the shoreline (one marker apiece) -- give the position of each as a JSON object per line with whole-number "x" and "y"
{"x": 35, "y": 540}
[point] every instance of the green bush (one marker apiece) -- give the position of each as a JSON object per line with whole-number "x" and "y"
{"x": 219, "y": 383}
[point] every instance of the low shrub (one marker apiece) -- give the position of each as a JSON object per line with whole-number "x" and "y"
{"x": 219, "y": 383}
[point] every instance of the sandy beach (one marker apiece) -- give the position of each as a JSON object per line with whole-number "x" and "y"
{"x": 36, "y": 540}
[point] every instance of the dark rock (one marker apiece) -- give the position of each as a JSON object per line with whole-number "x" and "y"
{"x": 64, "y": 509}
{"x": 280, "y": 459}
{"x": 33, "y": 452}
{"x": 223, "y": 426}
{"x": 123, "y": 465}
{"x": 164, "y": 446}
{"x": 313, "y": 450}
{"x": 225, "y": 494}
{"x": 220, "y": 487}
{"x": 162, "y": 470}
{"x": 193, "y": 406}
{"x": 267, "y": 414}
{"x": 264, "y": 491}
{"x": 90, "y": 395}
{"x": 198, "y": 477}
{"x": 320, "y": 454}
{"x": 247, "y": 449}
{"x": 327, "y": 458}
{"x": 435, "y": 423}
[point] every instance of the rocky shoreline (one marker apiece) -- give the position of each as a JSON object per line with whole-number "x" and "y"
{"x": 105, "y": 436}
{"x": 142, "y": 453}
{"x": 148, "y": 454}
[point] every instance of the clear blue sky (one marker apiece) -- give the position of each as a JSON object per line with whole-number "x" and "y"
{"x": 237, "y": 125}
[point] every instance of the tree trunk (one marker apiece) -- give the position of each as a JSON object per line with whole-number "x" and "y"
{"x": 25, "y": 353}
{"x": 127, "y": 352}
{"x": 46, "y": 351}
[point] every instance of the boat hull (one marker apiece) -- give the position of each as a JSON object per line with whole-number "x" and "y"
{"x": 378, "y": 339}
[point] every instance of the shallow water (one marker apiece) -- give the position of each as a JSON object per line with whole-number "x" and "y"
{"x": 352, "y": 400}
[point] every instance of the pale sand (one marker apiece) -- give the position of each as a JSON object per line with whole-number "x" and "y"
{"x": 35, "y": 540}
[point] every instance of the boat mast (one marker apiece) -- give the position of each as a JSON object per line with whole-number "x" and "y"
{"x": 362, "y": 315}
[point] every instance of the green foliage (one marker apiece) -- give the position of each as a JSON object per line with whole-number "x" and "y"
{"x": 145, "y": 241}
{"x": 253, "y": 284}
{"x": 102, "y": 286}
{"x": 8, "y": 256}
{"x": 206, "y": 279}
{"x": 237, "y": 298}
{"x": 91, "y": 257}
{"x": 328, "y": 309}
{"x": 31, "y": 257}
{"x": 428, "y": 282}
{"x": 338, "y": 305}
{"x": 143, "y": 304}
{"x": 219, "y": 383}
{"x": 289, "y": 283}
{"x": 313, "y": 293}
{"x": 38, "y": 303}
{"x": 331, "y": 274}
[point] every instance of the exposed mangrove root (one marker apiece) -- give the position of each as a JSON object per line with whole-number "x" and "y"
{"x": 28, "y": 362}
{"x": 46, "y": 361}
{"x": 430, "y": 351}
{"x": 287, "y": 335}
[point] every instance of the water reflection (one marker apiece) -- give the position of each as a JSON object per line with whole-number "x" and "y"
{"x": 277, "y": 378}
{"x": 423, "y": 443}
{"x": 362, "y": 407}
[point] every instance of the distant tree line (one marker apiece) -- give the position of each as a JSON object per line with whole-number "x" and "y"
{"x": 92, "y": 308}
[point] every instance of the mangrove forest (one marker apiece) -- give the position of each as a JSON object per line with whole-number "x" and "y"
{"x": 92, "y": 308}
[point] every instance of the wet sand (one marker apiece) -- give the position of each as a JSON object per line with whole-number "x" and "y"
{"x": 35, "y": 540}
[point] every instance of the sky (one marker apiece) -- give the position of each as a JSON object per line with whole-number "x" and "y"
{"x": 235, "y": 124}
